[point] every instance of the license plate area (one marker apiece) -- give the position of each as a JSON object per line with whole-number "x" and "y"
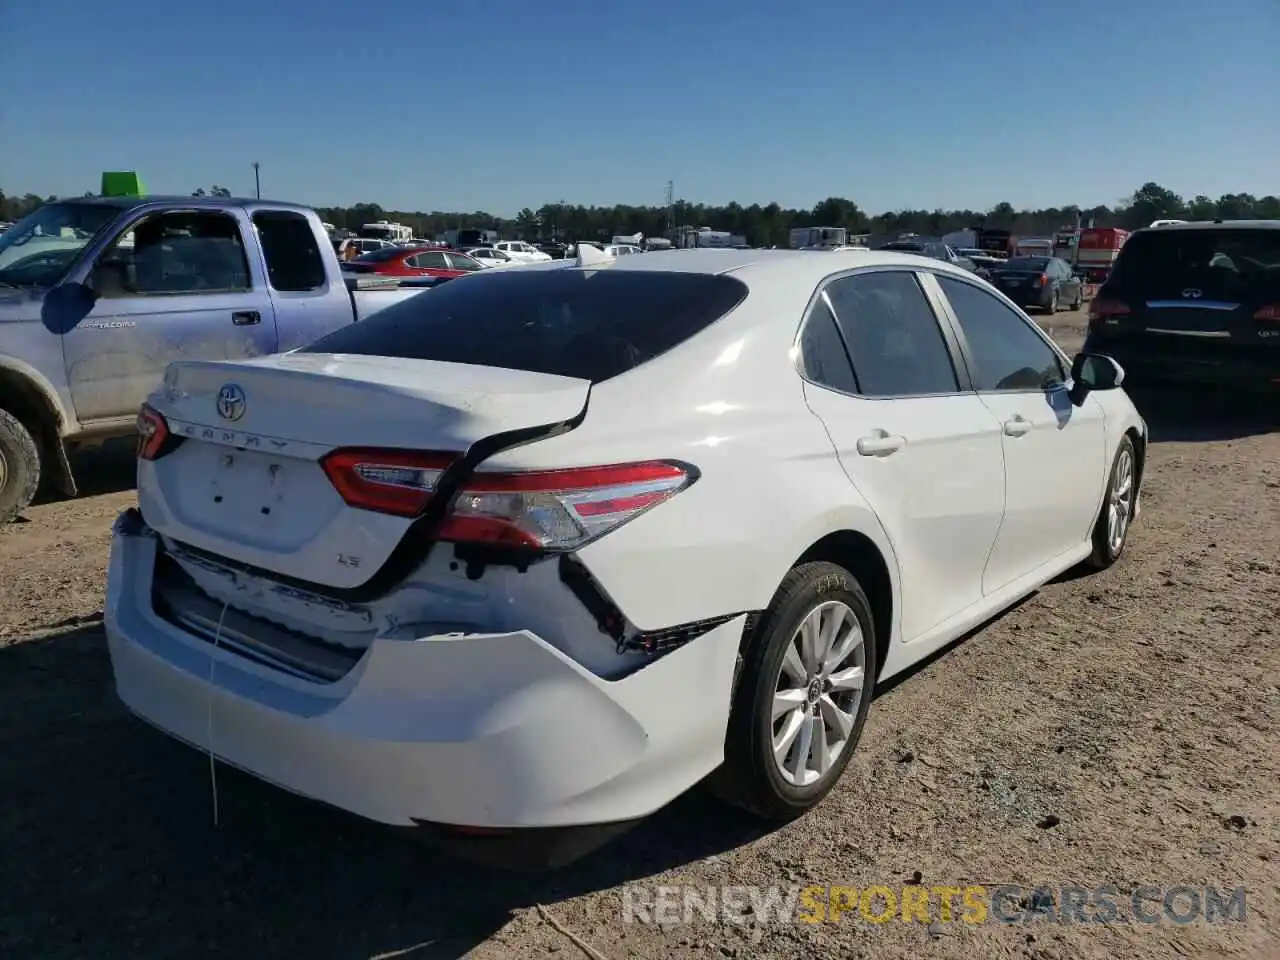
{"x": 256, "y": 498}
{"x": 254, "y": 484}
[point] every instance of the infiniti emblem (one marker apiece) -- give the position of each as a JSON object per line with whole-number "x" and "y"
{"x": 231, "y": 402}
{"x": 1192, "y": 293}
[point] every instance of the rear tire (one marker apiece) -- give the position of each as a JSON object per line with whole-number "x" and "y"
{"x": 798, "y": 711}
{"x": 19, "y": 467}
{"x": 1052, "y": 308}
{"x": 1117, "y": 508}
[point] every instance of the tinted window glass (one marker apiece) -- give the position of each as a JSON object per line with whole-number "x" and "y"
{"x": 574, "y": 323}
{"x": 1008, "y": 353}
{"x": 433, "y": 260}
{"x": 892, "y": 334}
{"x": 822, "y": 352}
{"x": 175, "y": 253}
{"x": 461, "y": 261}
{"x": 1227, "y": 264}
{"x": 290, "y": 248}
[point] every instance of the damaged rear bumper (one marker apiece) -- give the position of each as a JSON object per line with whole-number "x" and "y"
{"x": 498, "y": 731}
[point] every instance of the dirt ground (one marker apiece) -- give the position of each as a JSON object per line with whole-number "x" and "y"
{"x": 1115, "y": 729}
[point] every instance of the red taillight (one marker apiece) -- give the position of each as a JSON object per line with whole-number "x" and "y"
{"x": 558, "y": 509}
{"x": 399, "y": 482}
{"x": 1044, "y": 278}
{"x": 543, "y": 509}
{"x": 1104, "y": 309}
{"x": 153, "y": 433}
{"x": 1268, "y": 314}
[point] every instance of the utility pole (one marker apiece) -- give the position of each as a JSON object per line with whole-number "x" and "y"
{"x": 257, "y": 183}
{"x": 671, "y": 206}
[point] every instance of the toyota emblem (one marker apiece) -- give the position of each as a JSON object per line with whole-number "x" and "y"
{"x": 1192, "y": 293}
{"x": 231, "y": 402}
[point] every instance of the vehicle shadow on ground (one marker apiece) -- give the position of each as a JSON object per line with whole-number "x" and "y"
{"x": 1197, "y": 416}
{"x": 109, "y": 841}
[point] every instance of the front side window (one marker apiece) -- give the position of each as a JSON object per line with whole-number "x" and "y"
{"x": 1007, "y": 353}
{"x": 893, "y": 336}
{"x": 170, "y": 254}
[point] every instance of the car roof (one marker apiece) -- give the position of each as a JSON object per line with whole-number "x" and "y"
{"x": 799, "y": 266}
{"x": 188, "y": 202}
{"x": 1212, "y": 225}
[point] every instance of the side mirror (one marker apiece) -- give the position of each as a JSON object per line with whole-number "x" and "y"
{"x": 66, "y": 305}
{"x": 1093, "y": 371}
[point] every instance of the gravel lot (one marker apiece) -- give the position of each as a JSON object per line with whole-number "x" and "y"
{"x": 1115, "y": 729}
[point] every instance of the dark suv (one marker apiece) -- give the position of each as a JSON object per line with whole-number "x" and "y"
{"x": 1194, "y": 303}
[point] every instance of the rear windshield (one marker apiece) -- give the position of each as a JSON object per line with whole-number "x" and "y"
{"x": 574, "y": 323}
{"x": 1028, "y": 264}
{"x": 1227, "y": 264}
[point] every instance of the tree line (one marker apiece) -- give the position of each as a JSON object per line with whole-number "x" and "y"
{"x": 770, "y": 224}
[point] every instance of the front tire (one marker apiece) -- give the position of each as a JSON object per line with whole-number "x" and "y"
{"x": 19, "y": 467}
{"x": 803, "y": 696}
{"x": 1111, "y": 532}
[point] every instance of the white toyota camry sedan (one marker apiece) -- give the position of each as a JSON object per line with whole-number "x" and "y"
{"x": 521, "y": 561}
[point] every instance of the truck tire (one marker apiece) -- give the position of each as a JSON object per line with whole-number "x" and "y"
{"x": 19, "y": 467}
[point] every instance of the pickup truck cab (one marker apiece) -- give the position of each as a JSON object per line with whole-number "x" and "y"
{"x": 99, "y": 294}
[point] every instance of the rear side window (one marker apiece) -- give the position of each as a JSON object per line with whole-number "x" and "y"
{"x": 893, "y": 335}
{"x": 574, "y": 323}
{"x": 430, "y": 261}
{"x": 459, "y": 261}
{"x": 1227, "y": 264}
{"x": 289, "y": 246}
{"x": 822, "y": 354}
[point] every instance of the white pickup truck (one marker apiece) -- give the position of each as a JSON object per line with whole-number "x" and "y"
{"x": 99, "y": 295}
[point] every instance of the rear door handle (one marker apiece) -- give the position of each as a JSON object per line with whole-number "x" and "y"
{"x": 881, "y": 444}
{"x": 1017, "y": 427}
{"x": 246, "y": 318}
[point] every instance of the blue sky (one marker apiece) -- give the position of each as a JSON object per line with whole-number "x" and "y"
{"x": 502, "y": 104}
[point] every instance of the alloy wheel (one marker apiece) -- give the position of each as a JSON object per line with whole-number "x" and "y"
{"x": 819, "y": 689}
{"x": 1120, "y": 508}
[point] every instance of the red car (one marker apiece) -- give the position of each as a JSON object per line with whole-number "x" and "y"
{"x": 442, "y": 264}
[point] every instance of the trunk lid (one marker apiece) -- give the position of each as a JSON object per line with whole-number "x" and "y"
{"x": 246, "y": 483}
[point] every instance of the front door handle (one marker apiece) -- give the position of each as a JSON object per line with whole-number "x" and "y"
{"x": 880, "y": 444}
{"x": 246, "y": 318}
{"x": 1017, "y": 427}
